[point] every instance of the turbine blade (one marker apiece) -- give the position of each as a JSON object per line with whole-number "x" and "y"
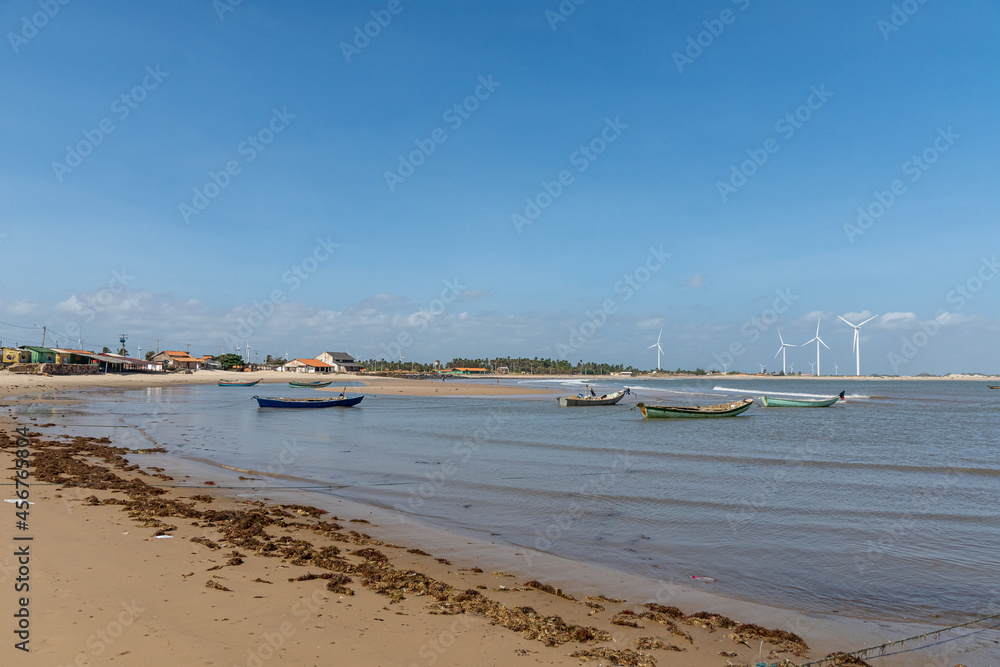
{"x": 780, "y": 338}
{"x": 779, "y": 351}
{"x": 845, "y": 320}
{"x": 824, "y": 344}
{"x": 809, "y": 341}
{"x": 868, "y": 320}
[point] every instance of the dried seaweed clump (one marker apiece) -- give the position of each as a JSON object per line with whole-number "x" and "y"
{"x": 549, "y": 589}
{"x": 710, "y": 622}
{"x": 626, "y": 618}
{"x": 550, "y": 630}
{"x": 782, "y": 640}
{"x": 650, "y": 643}
{"x": 216, "y": 585}
{"x": 852, "y": 661}
{"x": 625, "y": 657}
{"x": 204, "y": 541}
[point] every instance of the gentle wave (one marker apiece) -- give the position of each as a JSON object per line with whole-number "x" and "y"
{"x": 762, "y": 392}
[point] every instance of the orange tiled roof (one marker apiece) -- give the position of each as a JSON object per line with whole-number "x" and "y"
{"x": 313, "y": 362}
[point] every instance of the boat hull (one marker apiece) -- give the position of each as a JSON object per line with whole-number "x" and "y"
{"x": 698, "y": 412}
{"x": 223, "y": 383}
{"x": 578, "y": 401}
{"x": 798, "y": 403}
{"x": 310, "y": 385}
{"x": 266, "y": 402}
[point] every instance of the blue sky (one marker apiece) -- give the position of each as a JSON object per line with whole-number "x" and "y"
{"x": 475, "y": 179}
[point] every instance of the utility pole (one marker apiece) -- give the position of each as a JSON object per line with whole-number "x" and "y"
{"x": 157, "y": 345}
{"x": 43, "y": 336}
{"x": 123, "y": 338}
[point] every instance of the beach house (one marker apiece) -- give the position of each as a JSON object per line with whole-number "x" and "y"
{"x": 341, "y": 362}
{"x": 178, "y": 360}
{"x": 307, "y": 366}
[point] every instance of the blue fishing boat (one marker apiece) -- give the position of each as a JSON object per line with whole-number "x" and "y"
{"x": 277, "y": 402}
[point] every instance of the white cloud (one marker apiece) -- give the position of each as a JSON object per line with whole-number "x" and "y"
{"x": 696, "y": 281}
{"x": 898, "y": 320}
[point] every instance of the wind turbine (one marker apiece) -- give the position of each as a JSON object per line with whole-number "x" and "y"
{"x": 812, "y": 367}
{"x": 856, "y": 348}
{"x": 781, "y": 350}
{"x": 246, "y": 358}
{"x": 818, "y": 341}
{"x": 835, "y": 369}
{"x": 658, "y": 349}
{"x": 761, "y": 368}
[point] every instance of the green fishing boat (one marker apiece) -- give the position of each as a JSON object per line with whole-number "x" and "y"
{"x": 800, "y": 402}
{"x": 310, "y": 385}
{"x": 696, "y": 411}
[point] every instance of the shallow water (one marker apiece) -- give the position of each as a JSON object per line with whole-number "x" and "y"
{"x": 882, "y": 506}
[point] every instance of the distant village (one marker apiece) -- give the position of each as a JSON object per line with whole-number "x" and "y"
{"x": 58, "y": 361}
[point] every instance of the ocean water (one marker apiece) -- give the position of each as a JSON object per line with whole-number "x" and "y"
{"x": 882, "y": 506}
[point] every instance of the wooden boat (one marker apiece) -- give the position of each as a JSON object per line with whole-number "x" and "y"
{"x": 695, "y": 412}
{"x": 580, "y": 399}
{"x": 234, "y": 383}
{"x": 339, "y": 402}
{"x": 993, "y": 386}
{"x": 800, "y": 402}
{"x": 312, "y": 385}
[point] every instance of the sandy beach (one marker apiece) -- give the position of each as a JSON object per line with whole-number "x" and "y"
{"x": 160, "y": 562}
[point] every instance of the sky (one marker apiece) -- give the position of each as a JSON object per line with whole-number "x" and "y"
{"x": 438, "y": 180}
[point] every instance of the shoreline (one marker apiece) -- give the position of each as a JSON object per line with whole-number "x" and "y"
{"x": 816, "y": 630}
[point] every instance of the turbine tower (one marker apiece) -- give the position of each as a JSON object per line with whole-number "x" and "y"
{"x": 818, "y": 341}
{"x": 659, "y": 349}
{"x": 857, "y": 340}
{"x": 781, "y": 351}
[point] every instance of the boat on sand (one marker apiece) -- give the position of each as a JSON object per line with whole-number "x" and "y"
{"x": 237, "y": 383}
{"x": 312, "y": 385}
